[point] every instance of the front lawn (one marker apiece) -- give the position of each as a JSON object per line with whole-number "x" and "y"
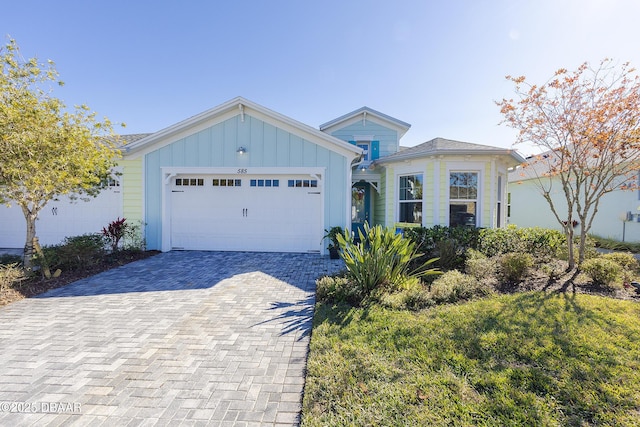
{"x": 523, "y": 359}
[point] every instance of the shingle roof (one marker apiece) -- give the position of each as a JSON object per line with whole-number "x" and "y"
{"x": 133, "y": 137}
{"x": 441, "y": 146}
{"x": 403, "y": 127}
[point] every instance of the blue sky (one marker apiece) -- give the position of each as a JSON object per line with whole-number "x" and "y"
{"x": 438, "y": 65}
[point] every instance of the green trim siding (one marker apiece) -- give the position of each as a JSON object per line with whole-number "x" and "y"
{"x": 487, "y": 218}
{"x": 132, "y": 190}
{"x": 379, "y": 201}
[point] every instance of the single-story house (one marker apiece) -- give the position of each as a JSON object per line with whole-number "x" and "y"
{"x": 618, "y": 215}
{"x": 241, "y": 177}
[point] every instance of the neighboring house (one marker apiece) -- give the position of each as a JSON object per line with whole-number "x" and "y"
{"x": 618, "y": 215}
{"x": 241, "y": 177}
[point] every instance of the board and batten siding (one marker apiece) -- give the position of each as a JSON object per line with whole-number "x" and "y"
{"x": 266, "y": 146}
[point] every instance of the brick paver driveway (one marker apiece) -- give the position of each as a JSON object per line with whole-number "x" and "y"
{"x": 183, "y": 338}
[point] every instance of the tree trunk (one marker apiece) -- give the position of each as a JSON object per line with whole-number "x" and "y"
{"x": 31, "y": 237}
{"x": 571, "y": 257}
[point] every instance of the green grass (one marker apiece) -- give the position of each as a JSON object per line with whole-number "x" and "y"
{"x": 529, "y": 359}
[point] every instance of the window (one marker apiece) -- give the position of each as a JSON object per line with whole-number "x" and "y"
{"x": 264, "y": 183}
{"x": 463, "y": 198}
{"x": 365, "y": 149}
{"x": 301, "y": 183}
{"x": 227, "y": 182}
{"x": 410, "y": 199}
{"x": 190, "y": 182}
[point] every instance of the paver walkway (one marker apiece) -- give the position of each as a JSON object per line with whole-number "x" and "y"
{"x": 182, "y": 338}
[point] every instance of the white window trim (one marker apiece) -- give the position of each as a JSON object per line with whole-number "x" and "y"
{"x": 474, "y": 167}
{"x": 401, "y": 173}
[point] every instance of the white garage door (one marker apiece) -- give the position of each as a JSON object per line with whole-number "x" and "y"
{"x": 272, "y": 213}
{"x": 63, "y": 218}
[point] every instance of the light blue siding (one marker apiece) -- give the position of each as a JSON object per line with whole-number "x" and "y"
{"x": 388, "y": 137}
{"x": 267, "y": 146}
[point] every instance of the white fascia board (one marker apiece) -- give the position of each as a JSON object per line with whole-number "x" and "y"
{"x": 411, "y": 156}
{"x": 371, "y": 117}
{"x": 231, "y": 109}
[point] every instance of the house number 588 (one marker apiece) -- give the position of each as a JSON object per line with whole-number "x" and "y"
{"x": 241, "y": 171}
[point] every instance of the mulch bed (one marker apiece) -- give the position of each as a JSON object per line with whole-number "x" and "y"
{"x": 37, "y": 284}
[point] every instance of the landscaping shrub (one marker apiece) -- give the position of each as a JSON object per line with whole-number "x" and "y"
{"x": 450, "y": 244}
{"x": 602, "y": 271}
{"x": 543, "y": 243}
{"x": 10, "y": 275}
{"x": 514, "y": 266}
{"x": 479, "y": 265}
{"x": 454, "y": 286}
{"x": 380, "y": 261}
{"x": 133, "y": 240}
{"x": 627, "y": 261}
{"x": 332, "y": 289}
{"x": 6, "y": 259}
{"x": 74, "y": 253}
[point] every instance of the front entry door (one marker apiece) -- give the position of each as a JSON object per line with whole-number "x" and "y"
{"x": 360, "y": 203}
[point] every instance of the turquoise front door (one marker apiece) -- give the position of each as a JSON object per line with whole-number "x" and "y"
{"x": 360, "y": 207}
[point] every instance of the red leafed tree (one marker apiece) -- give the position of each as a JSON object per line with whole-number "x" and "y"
{"x": 587, "y": 123}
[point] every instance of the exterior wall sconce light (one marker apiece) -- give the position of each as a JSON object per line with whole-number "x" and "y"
{"x": 241, "y": 150}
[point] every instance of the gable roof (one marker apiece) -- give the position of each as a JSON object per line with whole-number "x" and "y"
{"x": 442, "y": 146}
{"x": 366, "y": 112}
{"x": 234, "y": 107}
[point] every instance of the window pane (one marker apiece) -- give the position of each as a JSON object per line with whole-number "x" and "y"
{"x": 463, "y": 185}
{"x": 411, "y": 187}
{"x": 411, "y": 212}
{"x": 461, "y": 213}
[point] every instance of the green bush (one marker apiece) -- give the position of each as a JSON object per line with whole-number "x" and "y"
{"x": 625, "y": 260}
{"x": 381, "y": 261}
{"x": 450, "y": 244}
{"x": 602, "y": 271}
{"x": 74, "y": 253}
{"x": 479, "y": 265}
{"x": 10, "y": 275}
{"x": 332, "y": 289}
{"x": 628, "y": 262}
{"x": 133, "y": 240}
{"x": 543, "y": 243}
{"x": 454, "y": 286}
{"x": 514, "y": 266}
{"x": 6, "y": 259}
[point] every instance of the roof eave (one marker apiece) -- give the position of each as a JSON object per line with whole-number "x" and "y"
{"x": 410, "y": 156}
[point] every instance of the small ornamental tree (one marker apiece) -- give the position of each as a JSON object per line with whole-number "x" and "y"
{"x": 587, "y": 123}
{"x": 45, "y": 150}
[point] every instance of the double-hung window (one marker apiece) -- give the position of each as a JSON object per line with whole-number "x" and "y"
{"x": 463, "y": 198}
{"x": 410, "y": 199}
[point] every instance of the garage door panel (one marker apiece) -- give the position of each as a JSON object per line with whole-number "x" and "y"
{"x": 257, "y": 213}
